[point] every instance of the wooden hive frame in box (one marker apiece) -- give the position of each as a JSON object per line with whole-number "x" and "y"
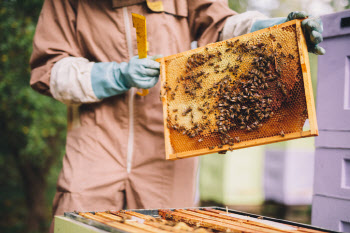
{"x": 251, "y": 90}
{"x": 198, "y": 219}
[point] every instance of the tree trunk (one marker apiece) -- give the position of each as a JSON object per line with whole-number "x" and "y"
{"x": 34, "y": 182}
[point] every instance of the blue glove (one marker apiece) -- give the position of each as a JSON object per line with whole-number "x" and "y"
{"x": 111, "y": 78}
{"x": 312, "y": 28}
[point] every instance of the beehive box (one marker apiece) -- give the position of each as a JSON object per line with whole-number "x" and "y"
{"x": 197, "y": 220}
{"x": 246, "y": 91}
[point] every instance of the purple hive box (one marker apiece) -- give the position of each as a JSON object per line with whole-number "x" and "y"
{"x": 332, "y": 173}
{"x": 288, "y": 175}
{"x": 333, "y": 88}
{"x": 333, "y": 139}
{"x": 331, "y": 213}
{"x": 331, "y": 200}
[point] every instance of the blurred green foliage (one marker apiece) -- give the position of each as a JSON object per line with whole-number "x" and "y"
{"x": 32, "y": 127}
{"x": 238, "y": 5}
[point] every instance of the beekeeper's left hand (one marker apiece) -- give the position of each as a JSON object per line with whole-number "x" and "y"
{"x": 312, "y": 28}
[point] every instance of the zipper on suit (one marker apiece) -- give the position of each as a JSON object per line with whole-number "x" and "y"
{"x": 130, "y": 148}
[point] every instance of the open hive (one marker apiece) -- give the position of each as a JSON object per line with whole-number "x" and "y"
{"x": 198, "y": 220}
{"x": 246, "y": 91}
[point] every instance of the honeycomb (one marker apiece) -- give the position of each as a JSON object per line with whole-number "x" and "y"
{"x": 241, "y": 92}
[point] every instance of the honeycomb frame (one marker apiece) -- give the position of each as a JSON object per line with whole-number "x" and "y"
{"x": 300, "y": 61}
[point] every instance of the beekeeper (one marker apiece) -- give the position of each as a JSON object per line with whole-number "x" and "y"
{"x": 84, "y": 56}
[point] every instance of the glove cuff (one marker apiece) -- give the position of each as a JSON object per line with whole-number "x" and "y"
{"x": 70, "y": 81}
{"x": 107, "y": 79}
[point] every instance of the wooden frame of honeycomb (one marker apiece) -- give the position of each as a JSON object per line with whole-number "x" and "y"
{"x": 250, "y": 90}
{"x": 200, "y": 220}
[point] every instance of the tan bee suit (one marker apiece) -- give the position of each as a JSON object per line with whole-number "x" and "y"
{"x": 115, "y": 148}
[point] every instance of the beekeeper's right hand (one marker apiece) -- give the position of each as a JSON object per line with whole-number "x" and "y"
{"x": 111, "y": 78}
{"x": 75, "y": 80}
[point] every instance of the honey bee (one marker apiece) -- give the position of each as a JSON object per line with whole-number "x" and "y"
{"x": 237, "y": 139}
{"x": 260, "y": 45}
{"x": 189, "y": 109}
{"x": 283, "y": 89}
{"x": 282, "y": 133}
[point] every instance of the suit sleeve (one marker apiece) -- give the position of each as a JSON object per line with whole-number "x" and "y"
{"x": 240, "y": 24}
{"x": 54, "y": 40}
{"x": 206, "y": 19}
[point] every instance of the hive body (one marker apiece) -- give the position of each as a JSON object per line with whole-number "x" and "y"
{"x": 250, "y": 90}
{"x": 197, "y": 220}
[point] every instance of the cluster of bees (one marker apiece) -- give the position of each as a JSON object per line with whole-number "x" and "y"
{"x": 239, "y": 101}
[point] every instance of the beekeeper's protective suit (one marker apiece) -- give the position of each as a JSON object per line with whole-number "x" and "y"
{"x": 83, "y": 56}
